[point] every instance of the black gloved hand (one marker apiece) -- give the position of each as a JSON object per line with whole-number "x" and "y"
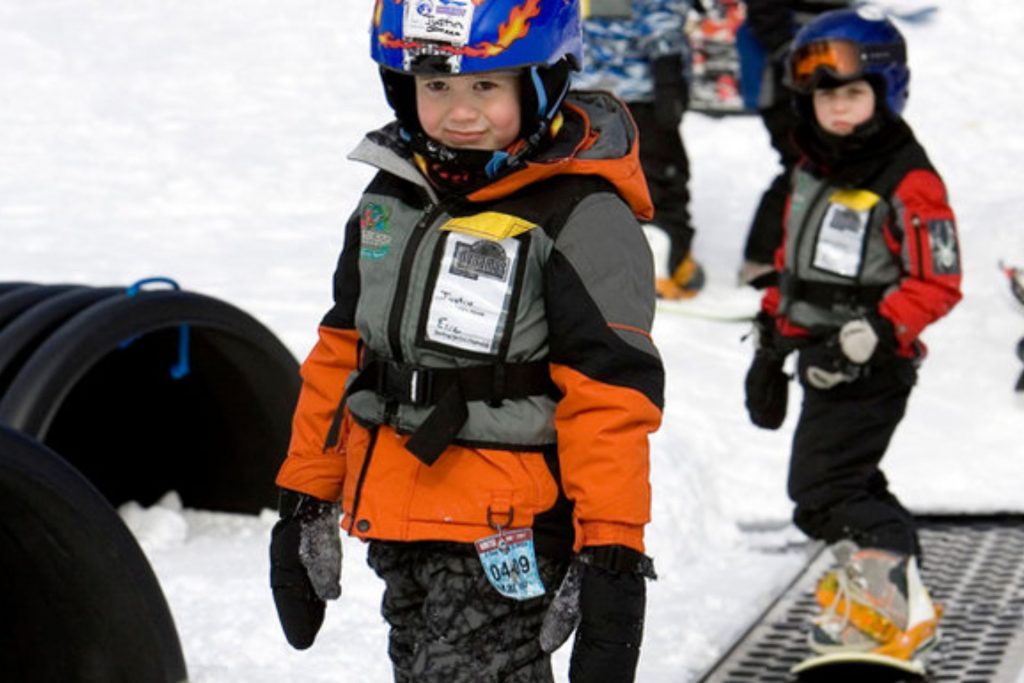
{"x": 1020, "y": 354}
{"x": 305, "y": 564}
{"x": 604, "y": 595}
{"x": 671, "y": 94}
{"x": 842, "y": 357}
{"x": 766, "y": 386}
{"x": 767, "y": 390}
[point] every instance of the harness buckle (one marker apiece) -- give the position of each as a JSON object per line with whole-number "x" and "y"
{"x": 420, "y": 386}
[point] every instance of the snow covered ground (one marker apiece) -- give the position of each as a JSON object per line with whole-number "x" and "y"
{"x": 206, "y": 141}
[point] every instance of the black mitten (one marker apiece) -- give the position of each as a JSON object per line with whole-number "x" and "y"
{"x": 671, "y": 95}
{"x": 766, "y": 385}
{"x": 1020, "y": 354}
{"x": 305, "y": 544}
{"x": 605, "y": 594}
{"x": 767, "y": 390}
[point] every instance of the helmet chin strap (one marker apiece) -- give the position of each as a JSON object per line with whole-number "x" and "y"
{"x": 547, "y": 109}
{"x": 537, "y": 120}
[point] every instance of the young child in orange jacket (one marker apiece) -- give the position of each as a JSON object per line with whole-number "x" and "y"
{"x": 479, "y": 402}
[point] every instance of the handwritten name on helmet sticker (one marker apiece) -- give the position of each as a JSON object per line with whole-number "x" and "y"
{"x": 945, "y": 252}
{"x": 444, "y": 21}
{"x": 469, "y": 302}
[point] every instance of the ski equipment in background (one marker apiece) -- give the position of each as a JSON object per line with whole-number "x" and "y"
{"x": 1015, "y": 275}
{"x": 715, "y": 85}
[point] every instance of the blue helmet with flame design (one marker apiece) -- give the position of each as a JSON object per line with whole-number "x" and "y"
{"x": 542, "y": 38}
{"x": 473, "y": 36}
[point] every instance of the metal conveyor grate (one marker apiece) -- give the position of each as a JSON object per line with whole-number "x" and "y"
{"x": 973, "y": 566}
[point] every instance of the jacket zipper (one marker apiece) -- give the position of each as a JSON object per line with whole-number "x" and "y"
{"x": 915, "y": 221}
{"x": 806, "y": 226}
{"x": 419, "y": 232}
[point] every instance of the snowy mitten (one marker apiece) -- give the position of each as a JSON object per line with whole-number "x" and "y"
{"x": 300, "y": 605}
{"x": 563, "y": 615}
{"x": 858, "y": 340}
{"x": 824, "y": 366}
{"x": 821, "y": 378}
{"x": 320, "y": 548}
{"x": 866, "y": 338}
{"x": 612, "y": 601}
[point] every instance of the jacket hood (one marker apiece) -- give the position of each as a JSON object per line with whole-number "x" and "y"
{"x": 598, "y": 137}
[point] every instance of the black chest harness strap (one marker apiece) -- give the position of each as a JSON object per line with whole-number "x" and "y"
{"x": 447, "y": 390}
{"x": 829, "y": 295}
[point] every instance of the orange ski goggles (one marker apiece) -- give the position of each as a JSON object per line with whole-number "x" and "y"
{"x": 842, "y": 59}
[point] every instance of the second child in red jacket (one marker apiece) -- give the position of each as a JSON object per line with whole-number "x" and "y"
{"x": 869, "y": 259}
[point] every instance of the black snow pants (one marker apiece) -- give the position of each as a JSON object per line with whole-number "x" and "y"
{"x": 765, "y": 233}
{"x": 667, "y": 169}
{"x": 834, "y": 475}
{"x": 449, "y": 625}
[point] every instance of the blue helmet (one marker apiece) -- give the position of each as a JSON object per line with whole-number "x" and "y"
{"x": 849, "y": 44}
{"x": 472, "y": 36}
{"x": 541, "y": 37}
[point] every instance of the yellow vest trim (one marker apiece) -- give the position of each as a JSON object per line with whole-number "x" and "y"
{"x": 490, "y": 225}
{"x": 858, "y": 200}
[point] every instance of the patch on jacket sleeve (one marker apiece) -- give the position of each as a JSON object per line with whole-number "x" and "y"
{"x": 490, "y": 225}
{"x": 945, "y": 251}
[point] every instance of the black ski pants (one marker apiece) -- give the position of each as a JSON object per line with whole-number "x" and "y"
{"x": 834, "y": 475}
{"x": 765, "y": 233}
{"x": 667, "y": 169}
{"x": 449, "y": 625}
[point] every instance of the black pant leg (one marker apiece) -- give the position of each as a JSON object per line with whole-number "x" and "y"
{"x": 667, "y": 169}
{"x": 834, "y": 476}
{"x": 765, "y": 234}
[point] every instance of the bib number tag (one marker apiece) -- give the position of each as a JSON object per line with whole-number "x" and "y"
{"x": 840, "y": 243}
{"x": 511, "y": 564}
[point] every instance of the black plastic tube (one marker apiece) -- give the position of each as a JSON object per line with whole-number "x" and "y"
{"x": 79, "y": 600}
{"x": 105, "y": 388}
{"x": 31, "y": 323}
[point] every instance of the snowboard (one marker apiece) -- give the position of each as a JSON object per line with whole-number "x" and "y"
{"x": 858, "y": 667}
{"x": 722, "y": 302}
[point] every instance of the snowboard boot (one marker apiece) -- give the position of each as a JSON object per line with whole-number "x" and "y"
{"x": 682, "y": 283}
{"x": 874, "y": 602}
{"x": 686, "y": 282}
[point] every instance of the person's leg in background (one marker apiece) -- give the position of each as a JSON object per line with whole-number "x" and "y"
{"x": 667, "y": 169}
{"x": 765, "y": 233}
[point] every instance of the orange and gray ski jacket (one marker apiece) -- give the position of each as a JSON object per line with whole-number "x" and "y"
{"x": 488, "y": 361}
